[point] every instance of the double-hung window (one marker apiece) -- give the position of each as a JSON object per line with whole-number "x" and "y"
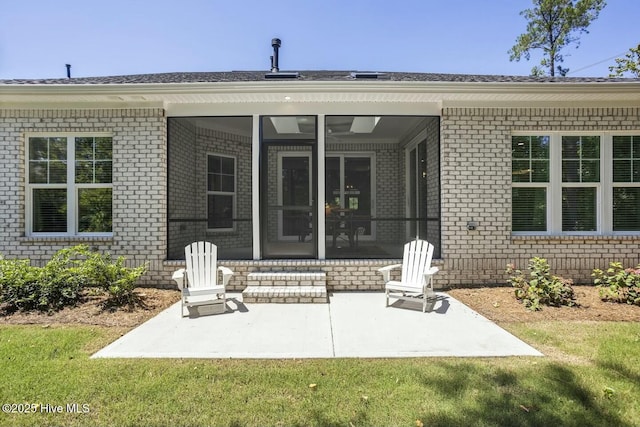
{"x": 221, "y": 192}
{"x": 69, "y": 185}
{"x": 569, "y": 183}
{"x": 530, "y": 176}
{"x": 626, "y": 183}
{"x": 580, "y": 183}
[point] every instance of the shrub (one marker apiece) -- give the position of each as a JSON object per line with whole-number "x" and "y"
{"x": 18, "y": 284}
{"x": 540, "y": 287}
{"x": 52, "y": 287}
{"x": 618, "y": 284}
{"x": 60, "y": 282}
{"x": 114, "y": 278}
{"x": 61, "y": 279}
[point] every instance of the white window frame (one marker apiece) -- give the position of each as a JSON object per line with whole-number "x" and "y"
{"x": 72, "y": 188}
{"x": 233, "y": 194}
{"x": 604, "y": 188}
{"x": 558, "y": 185}
{"x": 619, "y": 184}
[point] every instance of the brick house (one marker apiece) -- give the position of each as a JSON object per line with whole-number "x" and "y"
{"x": 329, "y": 171}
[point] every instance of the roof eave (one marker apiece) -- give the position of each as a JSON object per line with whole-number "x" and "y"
{"x": 163, "y": 92}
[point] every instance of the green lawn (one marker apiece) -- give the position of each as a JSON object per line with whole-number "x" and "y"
{"x": 592, "y": 377}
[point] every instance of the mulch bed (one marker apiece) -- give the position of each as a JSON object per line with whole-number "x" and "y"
{"x": 499, "y": 304}
{"x": 495, "y": 303}
{"x": 92, "y": 311}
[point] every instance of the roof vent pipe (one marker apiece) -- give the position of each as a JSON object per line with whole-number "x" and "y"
{"x": 274, "y": 59}
{"x": 68, "y": 70}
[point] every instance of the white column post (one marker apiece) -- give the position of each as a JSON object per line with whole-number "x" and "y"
{"x": 321, "y": 181}
{"x": 255, "y": 186}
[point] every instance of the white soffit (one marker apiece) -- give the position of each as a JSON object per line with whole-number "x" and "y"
{"x": 321, "y": 92}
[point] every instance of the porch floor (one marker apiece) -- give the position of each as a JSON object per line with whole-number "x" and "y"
{"x": 351, "y": 325}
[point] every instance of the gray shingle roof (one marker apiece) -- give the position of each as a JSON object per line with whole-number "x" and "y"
{"x": 255, "y": 76}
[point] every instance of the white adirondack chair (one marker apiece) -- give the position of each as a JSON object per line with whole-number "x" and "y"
{"x": 199, "y": 282}
{"x": 416, "y": 280}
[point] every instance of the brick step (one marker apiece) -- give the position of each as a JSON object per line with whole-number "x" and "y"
{"x": 286, "y": 287}
{"x": 286, "y": 278}
{"x": 285, "y": 294}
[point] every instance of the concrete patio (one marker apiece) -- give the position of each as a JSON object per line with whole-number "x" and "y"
{"x": 351, "y": 325}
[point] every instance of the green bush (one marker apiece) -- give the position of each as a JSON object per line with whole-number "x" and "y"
{"x": 52, "y": 287}
{"x": 19, "y": 284}
{"x": 114, "y": 277}
{"x": 540, "y": 287}
{"x": 60, "y": 282}
{"x": 61, "y": 279}
{"x": 618, "y": 284}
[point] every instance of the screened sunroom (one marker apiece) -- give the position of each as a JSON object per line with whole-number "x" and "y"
{"x": 307, "y": 186}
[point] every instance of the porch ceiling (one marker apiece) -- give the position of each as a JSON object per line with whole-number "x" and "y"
{"x": 388, "y": 129}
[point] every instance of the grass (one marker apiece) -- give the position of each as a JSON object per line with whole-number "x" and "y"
{"x": 592, "y": 377}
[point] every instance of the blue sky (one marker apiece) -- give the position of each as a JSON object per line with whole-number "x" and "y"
{"x": 115, "y": 37}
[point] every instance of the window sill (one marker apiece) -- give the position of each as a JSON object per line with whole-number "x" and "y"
{"x": 600, "y": 238}
{"x": 65, "y": 239}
